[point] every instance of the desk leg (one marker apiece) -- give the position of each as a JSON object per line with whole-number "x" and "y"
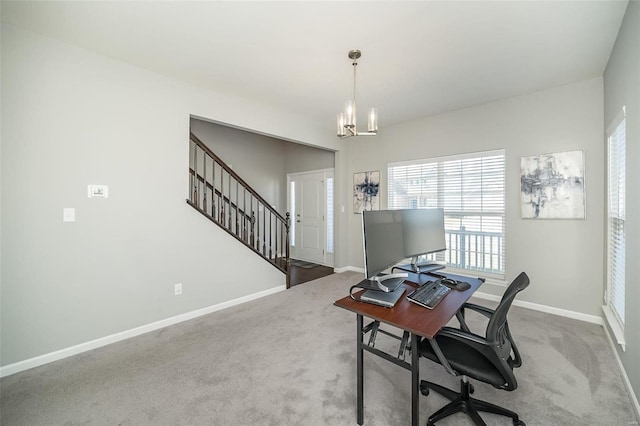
{"x": 415, "y": 380}
{"x": 360, "y": 368}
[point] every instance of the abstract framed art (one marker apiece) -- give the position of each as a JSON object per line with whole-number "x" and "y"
{"x": 366, "y": 190}
{"x": 552, "y": 186}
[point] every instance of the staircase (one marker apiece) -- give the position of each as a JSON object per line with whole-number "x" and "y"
{"x": 218, "y": 193}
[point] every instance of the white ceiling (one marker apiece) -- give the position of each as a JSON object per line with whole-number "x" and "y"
{"x": 418, "y": 58}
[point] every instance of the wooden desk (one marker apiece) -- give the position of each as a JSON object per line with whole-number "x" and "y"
{"x": 415, "y": 320}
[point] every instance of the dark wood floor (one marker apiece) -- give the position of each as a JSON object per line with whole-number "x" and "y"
{"x": 302, "y": 275}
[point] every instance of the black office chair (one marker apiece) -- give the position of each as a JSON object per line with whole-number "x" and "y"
{"x": 490, "y": 359}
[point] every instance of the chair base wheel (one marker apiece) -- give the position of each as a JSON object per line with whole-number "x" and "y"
{"x": 462, "y": 402}
{"x": 424, "y": 389}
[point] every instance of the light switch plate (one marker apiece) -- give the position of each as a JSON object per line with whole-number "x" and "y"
{"x": 100, "y": 191}
{"x": 68, "y": 214}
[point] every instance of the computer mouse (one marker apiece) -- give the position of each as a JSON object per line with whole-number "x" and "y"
{"x": 449, "y": 282}
{"x": 462, "y": 286}
{"x": 456, "y": 285}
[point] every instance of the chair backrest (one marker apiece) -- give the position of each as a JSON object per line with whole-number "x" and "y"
{"x": 498, "y": 328}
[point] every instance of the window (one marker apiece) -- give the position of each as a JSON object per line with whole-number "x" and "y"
{"x": 471, "y": 190}
{"x": 329, "y": 214}
{"x": 616, "y": 212}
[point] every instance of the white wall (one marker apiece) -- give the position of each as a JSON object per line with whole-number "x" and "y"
{"x": 562, "y": 257}
{"x": 72, "y": 118}
{"x": 622, "y": 87}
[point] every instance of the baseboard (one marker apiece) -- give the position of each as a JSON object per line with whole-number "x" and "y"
{"x": 348, "y": 269}
{"x": 117, "y": 337}
{"x": 594, "y": 319}
{"x": 625, "y": 378}
{"x": 94, "y": 344}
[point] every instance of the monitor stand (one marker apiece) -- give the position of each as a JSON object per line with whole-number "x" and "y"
{"x": 422, "y": 267}
{"x": 388, "y": 282}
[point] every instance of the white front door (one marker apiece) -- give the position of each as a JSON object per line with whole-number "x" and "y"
{"x": 309, "y": 217}
{"x": 307, "y": 195}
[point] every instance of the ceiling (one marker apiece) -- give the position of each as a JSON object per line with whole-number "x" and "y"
{"x": 419, "y": 58}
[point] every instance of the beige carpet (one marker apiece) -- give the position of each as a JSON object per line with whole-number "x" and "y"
{"x": 289, "y": 359}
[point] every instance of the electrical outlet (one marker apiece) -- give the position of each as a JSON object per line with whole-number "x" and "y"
{"x": 177, "y": 289}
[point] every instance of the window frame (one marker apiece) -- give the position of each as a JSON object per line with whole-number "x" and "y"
{"x": 616, "y": 181}
{"x": 426, "y": 199}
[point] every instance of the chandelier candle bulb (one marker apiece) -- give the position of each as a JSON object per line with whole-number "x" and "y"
{"x": 373, "y": 120}
{"x": 350, "y": 113}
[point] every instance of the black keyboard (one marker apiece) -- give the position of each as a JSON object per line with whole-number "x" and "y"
{"x": 429, "y": 295}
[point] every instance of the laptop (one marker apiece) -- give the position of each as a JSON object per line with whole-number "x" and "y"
{"x": 378, "y": 297}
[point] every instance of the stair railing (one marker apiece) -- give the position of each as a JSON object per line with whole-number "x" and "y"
{"x": 217, "y": 192}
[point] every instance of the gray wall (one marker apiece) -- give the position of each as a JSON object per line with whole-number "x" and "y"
{"x": 259, "y": 160}
{"x": 622, "y": 87}
{"x": 72, "y": 118}
{"x": 562, "y": 257}
{"x": 301, "y": 158}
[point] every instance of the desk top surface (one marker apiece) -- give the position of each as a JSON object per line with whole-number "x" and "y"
{"x": 410, "y": 316}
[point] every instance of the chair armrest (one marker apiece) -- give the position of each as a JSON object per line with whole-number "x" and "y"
{"x": 460, "y": 315}
{"x": 487, "y": 312}
{"x": 516, "y": 360}
{"x": 462, "y": 336}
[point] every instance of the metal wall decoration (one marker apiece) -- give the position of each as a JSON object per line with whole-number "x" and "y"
{"x": 366, "y": 189}
{"x": 552, "y": 186}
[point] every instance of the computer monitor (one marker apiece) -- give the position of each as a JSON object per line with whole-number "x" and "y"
{"x": 383, "y": 244}
{"x": 390, "y": 236}
{"x": 423, "y": 233}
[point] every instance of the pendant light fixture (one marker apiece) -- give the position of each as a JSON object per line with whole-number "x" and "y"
{"x": 346, "y": 124}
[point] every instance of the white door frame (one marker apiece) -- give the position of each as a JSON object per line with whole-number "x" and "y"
{"x": 328, "y": 252}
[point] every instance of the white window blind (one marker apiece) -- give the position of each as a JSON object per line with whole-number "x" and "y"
{"x": 292, "y": 209}
{"x": 616, "y": 214}
{"x": 471, "y": 190}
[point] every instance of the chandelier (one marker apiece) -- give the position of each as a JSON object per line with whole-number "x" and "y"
{"x": 347, "y": 119}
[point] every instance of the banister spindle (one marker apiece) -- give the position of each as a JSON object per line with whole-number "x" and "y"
{"x": 229, "y": 204}
{"x": 270, "y": 234}
{"x": 253, "y": 226}
{"x": 204, "y": 179}
{"x": 244, "y": 213}
{"x": 237, "y": 205}
{"x": 213, "y": 190}
{"x": 276, "y": 239}
{"x": 256, "y": 213}
{"x": 264, "y": 230}
{"x": 222, "y": 197}
{"x": 195, "y": 177}
{"x": 191, "y": 177}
